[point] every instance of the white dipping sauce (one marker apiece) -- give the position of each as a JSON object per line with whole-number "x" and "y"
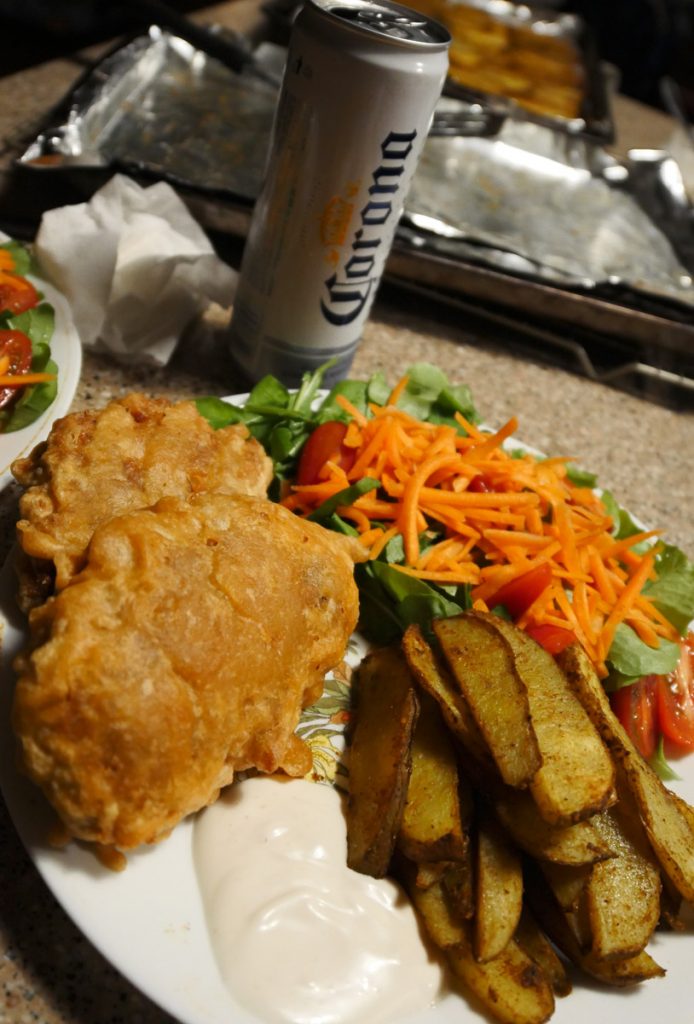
{"x": 299, "y": 937}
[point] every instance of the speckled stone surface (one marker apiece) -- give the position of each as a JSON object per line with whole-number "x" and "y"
{"x": 49, "y": 973}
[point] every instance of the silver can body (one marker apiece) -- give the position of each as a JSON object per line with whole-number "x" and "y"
{"x": 358, "y": 94}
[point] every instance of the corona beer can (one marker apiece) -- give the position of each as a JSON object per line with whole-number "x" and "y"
{"x": 358, "y": 94}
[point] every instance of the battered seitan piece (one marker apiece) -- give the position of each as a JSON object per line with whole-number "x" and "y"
{"x": 182, "y": 653}
{"x": 98, "y": 464}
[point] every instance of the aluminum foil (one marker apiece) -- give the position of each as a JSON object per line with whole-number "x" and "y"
{"x": 161, "y": 108}
{"x": 492, "y": 187}
{"x": 536, "y": 202}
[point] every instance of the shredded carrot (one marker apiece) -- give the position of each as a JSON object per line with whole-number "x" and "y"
{"x": 625, "y": 601}
{"x": 4, "y": 363}
{"x": 489, "y": 519}
{"x": 381, "y": 541}
{"x": 410, "y": 503}
{"x": 359, "y": 518}
{"x": 369, "y": 537}
{"x": 6, "y": 260}
{"x": 358, "y": 417}
{"x": 397, "y": 391}
{"x": 440, "y": 576}
{"x": 20, "y": 380}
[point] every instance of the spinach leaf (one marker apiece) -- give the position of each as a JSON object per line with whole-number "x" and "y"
{"x": 580, "y": 477}
{"x": 632, "y": 658}
{"x": 34, "y": 400}
{"x": 660, "y": 765}
{"x": 415, "y": 600}
{"x": 218, "y": 413}
{"x": 622, "y": 523}
{"x": 673, "y": 591}
{"x": 21, "y": 257}
{"x": 347, "y": 496}
{"x": 37, "y": 323}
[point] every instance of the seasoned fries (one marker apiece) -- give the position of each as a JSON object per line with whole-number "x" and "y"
{"x": 435, "y": 817}
{"x": 380, "y": 760}
{"x": 496, "y": 695}
{"x": 499, "y": 890}
{"x": 587, "y": 851}
{"x": 576, "y": 777}
{"x": 670, "y": 830}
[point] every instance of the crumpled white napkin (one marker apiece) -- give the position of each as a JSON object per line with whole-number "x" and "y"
{"x": 135, "y": 267}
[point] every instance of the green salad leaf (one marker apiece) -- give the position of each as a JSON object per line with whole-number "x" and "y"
{"x": 660, "y": 764}
{"x": 630, "y": 658}
{"x": 673, "y": 591}
{"x": 38, "y": 324}
{"x": 345, "y": 497}
{"x": 281, "y": 420}
{"x": 407, "y": 599}
{"x": 580, "y": 477}
{"x": 21, "y": 257}
{"x": 390, "y": 599}
{"x": 218, "y": 413}
{"x": 623, "y": 523}
{"x": 33, "y": 401}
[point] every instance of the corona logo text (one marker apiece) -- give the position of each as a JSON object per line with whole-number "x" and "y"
{"x": 348, "y": 290}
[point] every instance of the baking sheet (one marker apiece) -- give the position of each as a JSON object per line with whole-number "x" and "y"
{"x": 528, "y": 60}
{"x": 531, "y": 204}
{"x": 159, "y": 107}
{"x": 568, "y": 210}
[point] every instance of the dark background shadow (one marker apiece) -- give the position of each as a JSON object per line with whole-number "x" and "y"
{"x": 644, "y": 39}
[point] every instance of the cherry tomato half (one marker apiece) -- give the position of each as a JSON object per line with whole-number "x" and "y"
{"x": 553, "y": 638}
{"x": 675, "y": 693}
{"x": 480, "y": 484}
{"x": 519, "y": 594}
{"x": 325, "y": 444}
{"x": 17, "y": 347}
{"x": 636, "y": 708}
{"x": 16, "y": 293}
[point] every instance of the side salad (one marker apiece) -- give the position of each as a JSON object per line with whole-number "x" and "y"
{"x": 28, "y": 375}
{"x": 456, "y": 516}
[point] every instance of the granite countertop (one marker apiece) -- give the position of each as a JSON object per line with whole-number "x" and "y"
{"x": 49, "y": 972}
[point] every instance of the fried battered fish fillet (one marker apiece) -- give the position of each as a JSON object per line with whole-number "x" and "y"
{"x": 182, "y": 653}
{"x": 97, "y": 464}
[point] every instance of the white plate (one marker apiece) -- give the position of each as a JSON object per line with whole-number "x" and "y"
{"x": 66, "y": 351}
{"x": 149, "y": 920}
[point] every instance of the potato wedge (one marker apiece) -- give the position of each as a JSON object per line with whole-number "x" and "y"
{"x": 499, "y": 896}
{"x": 553, "y": 921}
{"x": 429, "y": 873}
{"x": 567, "y": 883}
{"x": 622, "y": 893}
{"x": 669, "y": 830}
{"x": 434, "y": 678}
{"x": 574, "y": 844}
{"x": 622, "y": 973}
{"x": 535, "y": 943}
{"x": 512, "y": 988}
{"x": 576, "y": 776}
{"x": 670, "y": 907}
{"x": 379, "y": 760}
{"x": 459, "y": 886}
{"x": 482, "y": 664}
{"x": 441, "y": 922}
{"x": 438, "y": 806}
